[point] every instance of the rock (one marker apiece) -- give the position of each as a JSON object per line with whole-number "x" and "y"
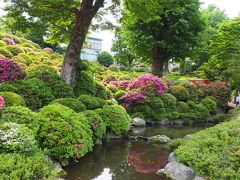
{"x": 114, "y": 100}
{"x": 189, "y": 136}
{"x": 160, "y": 138}
{"x": 172, "y": 158}
{"x": 177, "y": 171}
{"x": 138, "y": 130}
{"x": 199, "y": 178}
{"x": 138, "y": 122}
{"x": 143, "y": 138}
{"x": 178, "y": 122}
{"x": 58, "y": 168}
{"x": 164, "y": 122}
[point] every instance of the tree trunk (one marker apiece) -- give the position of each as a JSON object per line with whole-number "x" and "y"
{"x": 158, "y": 61}
{"x": 166, "y": 68}
{"x": 83, "y": 20}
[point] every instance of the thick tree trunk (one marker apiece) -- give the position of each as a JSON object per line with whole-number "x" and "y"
{"x": 84, "y": 18}
{"x": 157, "y": 62}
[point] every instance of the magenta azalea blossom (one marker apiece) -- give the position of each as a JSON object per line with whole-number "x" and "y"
{"x": 2, "y": 103}
{"x": 9, "y": 41}
{"x": 48, "y": 50}
{"x": 9, "y": 70}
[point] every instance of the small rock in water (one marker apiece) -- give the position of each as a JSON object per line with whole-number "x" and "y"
{"x": 58, "y": 168}
{"x": 177, "y": 171}
{"x": 138, "y": 122}
{"x": 161, "y": 139}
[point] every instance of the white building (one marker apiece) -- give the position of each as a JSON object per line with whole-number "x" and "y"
{"x": 91, "y": 48}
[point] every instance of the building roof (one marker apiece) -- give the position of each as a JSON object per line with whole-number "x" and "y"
{"x": 94, "y": 38}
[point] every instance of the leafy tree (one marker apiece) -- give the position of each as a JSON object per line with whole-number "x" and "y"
{"x": 123, "y": 53}
{"x": 225, "y": 53}
{"x": 67, "y": 20}
{"x": 105, "y": 59}
{"x": 162, "y": 30}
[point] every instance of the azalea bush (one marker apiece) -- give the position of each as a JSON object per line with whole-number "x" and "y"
{"x": 10, "y": 71}
{"x": 2, "y": 103}
{"x": 9, "y": 41}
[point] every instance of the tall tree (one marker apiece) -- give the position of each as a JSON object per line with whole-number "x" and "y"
{"x": 160, "y": 30}
{"x": 66, "y": 20}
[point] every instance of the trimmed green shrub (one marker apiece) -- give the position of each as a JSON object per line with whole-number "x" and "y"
{"x": 112, "y": 88}
{"x": 71, "y": 103}
{"x": 85, "y": 85}
{"x": 15, "y": 166}
{"x": 36, "y": 93}
{"x": 97, "y": 125}
{"x": 116, "y": 118}
{"x": 21, "y": 115}
{"x": 213, "y": 153}
{"x": 17, "y": 138}
{"x": 5, "y": 52}
{"x": 12, "y": 99}
{"x": 195, "y": 94}
{"x": 49, "y": 76}
{"x": 183, "y": 107}
{"x": 119, "y": 94}
{"x": 66, "y": 134}
{"x": 155, "y": 102}
{"x": 180, "y": 92}
{"x": 168, "y": 100}
{"x": 7, "y": 87}
{"x": 101, "y": 91}
{"x": 2, "y": 43}
{"x": 15, "y": 50}
{"x": 210, "y": 104}
{"x": 105, "y": 59}
{"x": 142, "y": 110}
{"x": 102, "y": 102}
{"x": 90, "y": 102}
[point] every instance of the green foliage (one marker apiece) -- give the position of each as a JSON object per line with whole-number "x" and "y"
{"x": 6, "y": 53}
{"x": 101, "y": 91}
{"x": 180, "y": 92}
{"x": 119, "y": 94}
{"x": 21, "y": 115}
{"x": 36, "y": 93}
{"x": 116, "y": 118}
{"x": 85, "y": 84}
{"x": 210, "y": 104}
{"x": 64, "y": 133}
{"x": 105, "y": 59}
{"x": 195, "y": 93}
{"x": 155, "y": 102}
{"x": 14, "y": 166}
{"x": 168, "y": 100}
{"x": 112, "y": 88}
{"x": 7, "y": 87}
{"x": 71, "y": 103}
{"x": 97, "y": 125}
{"x": 15, "y": 50}
{"x": 2, "y": 43}
{"x": 90, "y": 102}
{"x": 12, "y": 99}
{"x": 174, "y": 144}
{"x": 49, "y": 76}
{"x": 183, "y": 107}
{"x": 214, "y": 152}
{"x": 17, "y": 138}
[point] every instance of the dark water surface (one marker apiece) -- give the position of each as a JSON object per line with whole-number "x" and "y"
{"x": 125, "y": 160}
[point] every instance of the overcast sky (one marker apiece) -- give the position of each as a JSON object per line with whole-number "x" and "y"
{"x": 232, "y": 8}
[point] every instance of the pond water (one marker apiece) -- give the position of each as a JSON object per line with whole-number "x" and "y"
{"x": 128, "y": 160}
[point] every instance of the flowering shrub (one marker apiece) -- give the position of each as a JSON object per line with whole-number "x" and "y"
{"x": 132, "y": 98}
{"x": 2, "y": 103}
{"x": 9, "y": 41}
{"x": 10, "y": 71}
{"x": 49, "y": 50}
{"x": 16, "y": 138}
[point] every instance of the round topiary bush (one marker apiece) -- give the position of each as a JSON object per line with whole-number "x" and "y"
{"x": 17, "y": 138}
{"x": 112, "y": 88}
{"x": 169, "y": 100}
{"x": 90, "y": 102}
{"x": 155, "y": 102}
{"x": 71, "y": 103}
{"x": 10, "y": 71}
{"x": 7, "y": 87}
{"x": 195, "y": 93}
{"x": 36, "y": 93}
{"x": 180, "y": 92}
{"x": 105, "y": 59}
{"x": 182, "y": 107}
{"x": 210, "y": 104}
{"x": 12, "y": 99}
{"x": 116, "y": 118}
{"x": 85, "y": 84}
{"x": 21, "y": 115}
{"x": 49, "y": 76}
{"x": 97, "y": 125}
{"x": 66, "y": 134}
{"x": 101, "y": 91}
{"x": 15, "y": 50}
{"x": 18, "y": 166}
{"x": 119, "y": 94}
{"x": 6, "y": 53}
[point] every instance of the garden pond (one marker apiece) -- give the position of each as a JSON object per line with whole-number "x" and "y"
{"x": 122, "y": 160}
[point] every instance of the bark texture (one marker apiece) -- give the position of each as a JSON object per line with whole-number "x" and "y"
{"x": 158, "y": 61}
{"x": 84, "y": 17}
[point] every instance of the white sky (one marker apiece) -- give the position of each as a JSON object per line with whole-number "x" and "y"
{"x": 232, "y": 8}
